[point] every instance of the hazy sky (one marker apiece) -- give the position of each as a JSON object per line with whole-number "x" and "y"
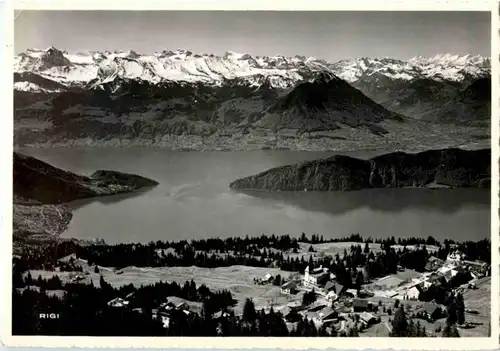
{"x": 328, "y": 35}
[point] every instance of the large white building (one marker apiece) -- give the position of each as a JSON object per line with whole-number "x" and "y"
{"x": 315, "y": 279}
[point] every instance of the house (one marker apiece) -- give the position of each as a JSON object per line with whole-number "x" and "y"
{"x": 331, "y": 296}
{"x": 167, "y": 306}
{"x": 433, "y": 263}
{"x": 434, "y": 279}
{"x": 351, "y": 292}
{"x": 359, "y": 305}
{"x": 455, "y": 256}
{"x": 178, "y": 303}
{"x": 446, "y": 268}
{"x": 320, "y": 269}
{"x": 477, "y": 263}
{"x": 267, "y": 278}
{"x": 414, "y": 292}
{"x": 315, "y": 279}
{"x": 316, "y": 306}
{"x": 289, "y": 288}
{"x": 368, "y": 318}
{"x": 294, "y": 306}
{"x": 447, "y": 275}
{"x": 365, "y": 293}
{"x": 182, "y": 306}
{"x": 430, "y": 311}
{"x": 77, "y": 278}
{"x": 478, "y": 267}
{"x": 290, "y": 315}
{"x": 118, "y": 302}
{"x": 329, "y": 286}
{"x": 327, "y": 313}
{"x": 334, "y": 286}
{"x": 221, "y": 315}
{"x": 475, "y": 275}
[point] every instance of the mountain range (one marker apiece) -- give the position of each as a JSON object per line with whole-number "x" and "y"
{"x": 122, "y": 97}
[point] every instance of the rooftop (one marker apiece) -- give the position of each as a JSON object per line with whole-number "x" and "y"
{"x": 366, "y": 317}
{"x": 289, "y": 285}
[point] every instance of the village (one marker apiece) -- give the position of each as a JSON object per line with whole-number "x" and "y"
{"x": 337, "y": 307}
{"x": 318, "y": 297}
{"x": 338, "y": 288}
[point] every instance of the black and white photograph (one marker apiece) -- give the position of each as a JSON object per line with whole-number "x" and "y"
{"x": 252, "y": 174}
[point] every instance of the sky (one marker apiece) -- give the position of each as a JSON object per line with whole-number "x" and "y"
{"x": 327, "y": 35}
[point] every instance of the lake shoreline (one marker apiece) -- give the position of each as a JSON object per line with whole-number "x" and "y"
{"x": 193, "y": 200}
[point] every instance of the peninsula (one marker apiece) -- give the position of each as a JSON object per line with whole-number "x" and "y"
{"x": 451, "y": 168}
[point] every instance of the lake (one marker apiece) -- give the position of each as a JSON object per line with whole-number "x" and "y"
{"x": 194, "y": 201}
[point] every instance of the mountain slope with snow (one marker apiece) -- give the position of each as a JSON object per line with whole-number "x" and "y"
{"x": 90, "y": 69}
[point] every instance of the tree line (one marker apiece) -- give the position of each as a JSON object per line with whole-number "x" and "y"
{"x": 355, "y": 267}
{"x": 263, "y": 251}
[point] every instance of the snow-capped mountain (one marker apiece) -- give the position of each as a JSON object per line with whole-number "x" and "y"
{"x": 92, "y": 69}
{"x": 182, "y": 100}
{"x": 451, "y": 67}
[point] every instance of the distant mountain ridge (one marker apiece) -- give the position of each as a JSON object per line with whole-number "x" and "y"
{"x": 91, "y": 69}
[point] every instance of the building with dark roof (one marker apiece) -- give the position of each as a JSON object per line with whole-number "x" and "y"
{"x": 335, "y": 287}
{"x": 289, "y": 288}
{"x": 430, "y": 311}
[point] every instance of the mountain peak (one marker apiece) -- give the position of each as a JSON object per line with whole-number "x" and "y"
{"x": 53, "y": 57}
{"x": 325, "y": 77}
{"x": 53, "y": 52}
{"x": 52, "y": 49}
{"x": 132, "y": 54}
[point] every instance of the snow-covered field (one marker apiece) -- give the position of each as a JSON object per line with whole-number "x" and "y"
{"x": 237, "y": 279}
